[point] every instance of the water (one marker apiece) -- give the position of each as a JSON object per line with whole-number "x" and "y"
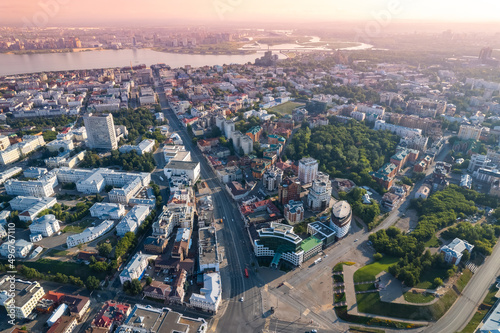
{"x": 46, "y": 62}
{"x": 295, "y": 46}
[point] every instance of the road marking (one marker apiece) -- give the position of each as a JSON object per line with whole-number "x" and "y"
{"x": 288, "y": 285}
{"x": 306, "y": 312}
{"x": 266, "y": 325}
{"x": 214, "y": 326}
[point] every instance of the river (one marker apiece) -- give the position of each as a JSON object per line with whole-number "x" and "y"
{"x": 46, "y": 62}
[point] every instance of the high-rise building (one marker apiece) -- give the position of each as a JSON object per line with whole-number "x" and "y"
{"x": 308, "y": 170}
{"x": 289, "y": 190}
{"x": 100, "y": 131}
{"x": 320, "y": 193}
{"x": 340, "y": 220}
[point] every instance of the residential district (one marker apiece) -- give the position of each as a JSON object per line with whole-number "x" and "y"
{"x": 308, "y": 194}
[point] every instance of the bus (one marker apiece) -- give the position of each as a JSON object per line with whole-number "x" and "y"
{"x": 317, "y": 261}
{"x": 246, "y": 272}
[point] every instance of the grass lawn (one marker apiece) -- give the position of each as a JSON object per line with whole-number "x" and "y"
{"x": 69, "y": 268}
{"x": 340, "y": 297}
{"x": 371, "y": 303}
{"x": 342, "y": 314}
{"x": 427, "y": 278}
{"x": 368, "y": 272}
{"x": 433, "y": 242}
{"x": 78, "y": 226}
{"x": 418, "y": 298}
{"x": 62, "y": 253}
{"x": 286, "y": 108}
{"x": 364, "y": 287}
{"x": 481, "y": 312}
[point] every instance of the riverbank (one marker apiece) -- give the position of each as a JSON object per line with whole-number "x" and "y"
{"x": 75, "y": 50}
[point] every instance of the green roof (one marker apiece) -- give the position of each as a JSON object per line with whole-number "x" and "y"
{"x": 310, "y": 243}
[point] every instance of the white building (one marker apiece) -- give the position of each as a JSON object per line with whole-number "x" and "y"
{"x": 320, "y": 194}
{"x": 29, "y": 144}
{"x": 401, "y": 131}
{"x": 178, "y": 168}
{"x": 272, "y": 178}
{"x": 89, "y": 234}
{"x": 210, "y": 295}
{"x": 46, "y": 225}
{"x": 30, "y": 207}
{"x": 469, "y": 132}
{"x": 101, "y": 133}
{"x": 478, "y": 161}
{"x": 9, "y": 173}
{"x": 135, "y": 268}
{"x": 20, "y": 248}
{"x": 44, "y": 187}
{"x": 133, "y": 220}
{"x": 25, "y": 294}
{"x": 105, "y": 210}
{"x": 56, "y": 145}
{"x": 308, "y": 170}
{"x": 340, "y": 220}
{"x": 145, "y": 146}
{"x": 176, "y": 153}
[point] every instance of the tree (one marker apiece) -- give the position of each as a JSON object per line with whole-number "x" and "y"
{"x": 104, "y": 249}
{"x": 437, "y": 282}
{"x": 92, "y": 283}
{"x": 149, "y": 280}
{"x": 133, "y": 287}
{"x": 377, "y": 256}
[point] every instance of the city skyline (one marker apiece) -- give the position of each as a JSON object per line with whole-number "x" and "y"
{"x": 220, "y": 12}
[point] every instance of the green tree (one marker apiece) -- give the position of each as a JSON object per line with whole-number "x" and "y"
{"x": 92, "y": 283}
{"x": 104, "y": 249}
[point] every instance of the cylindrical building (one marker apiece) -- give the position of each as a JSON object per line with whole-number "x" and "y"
{"x": 340, "y": 220}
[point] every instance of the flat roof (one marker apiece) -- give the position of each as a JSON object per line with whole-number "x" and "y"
{"x": 310, "y": 243}
{"x": 173, "y": 164}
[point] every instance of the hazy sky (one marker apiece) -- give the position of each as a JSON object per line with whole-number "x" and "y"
{"x": 91, "y": 12}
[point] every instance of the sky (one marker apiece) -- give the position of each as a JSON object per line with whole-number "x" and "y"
{"x": 157, "y": 12}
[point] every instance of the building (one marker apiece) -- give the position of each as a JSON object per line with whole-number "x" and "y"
{"x": 469, "y": 132}
{"x": 46, "y": 225}
{"x": 453, "y": 252}
{"x": 89, "y": 234}
{"x": 308, "y": 170}
{"x": 65, "y": 324}
{"x": 340, "y": 221}
{"x": 156, "y": 245}
{"x": 147, "y": 319}
{"x": 133, "y": 220}
{"x": 492, "y": 324}
{"x": 106, "y": 210}
{"x": 208, "y": 252}
{"x": 294, "y": 211}
{"x": 423, "y": 192}
{"x": 280, "y": 242}
{"x": 20, "y": 247}
{"x": 111, "y": 314}
{"x": 323, "y": 232}
{"x": 272, "y": 178}
{"x": 30, "y": 207}
{"x": 158, "y": 290}
{"x": 135, "y": 269}
{"x": 176, "y": 153}
{"x": 210, "y": 295}
{"x": 254, "y": 133}
{"x": 101, "y": 133}
{"x": 179, "y": 168}
{"x": 43, "y": 187}
{"x": 289, "y": 190}
{"x": 385, "y": 175}
{"x": 9, "y": 173}
{"x": 22, "y": 295}
{"x": 400, "y": 131}
{"x": 145, "y": 146}
{"x": 320, "y": 194}
{"x": 478, "y": 161}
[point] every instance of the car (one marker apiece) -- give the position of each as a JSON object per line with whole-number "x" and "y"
{"x": 314, "y": 331}
{"x": 242, "y": 299}
{"x": 356, "y": 240}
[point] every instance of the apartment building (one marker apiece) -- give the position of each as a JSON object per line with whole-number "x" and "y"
{"x": 101, "y": 133}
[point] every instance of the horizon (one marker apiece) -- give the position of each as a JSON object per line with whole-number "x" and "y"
{"x": 92, "y": 13}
